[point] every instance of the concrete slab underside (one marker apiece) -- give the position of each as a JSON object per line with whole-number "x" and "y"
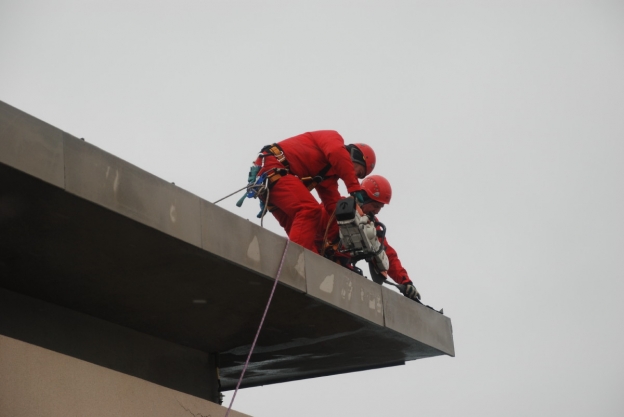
{"x": 115, "y": 262}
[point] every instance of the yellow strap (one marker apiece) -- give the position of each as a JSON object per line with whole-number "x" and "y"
{"x": 277, "y": 153}
{"x": 311, "y": 185}
{"x": 274, "y": 177}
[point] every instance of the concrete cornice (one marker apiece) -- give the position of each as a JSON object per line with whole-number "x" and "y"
{"x": 90, "y": 232}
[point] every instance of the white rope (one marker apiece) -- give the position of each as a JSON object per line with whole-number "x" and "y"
{"x": 266, "y": 206}
{"x": 248, "y": 187}
{"x": 253, "y": 345}
{"x": 230, "y": 195}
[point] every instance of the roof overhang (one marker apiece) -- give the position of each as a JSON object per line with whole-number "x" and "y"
{"x": 85, "y": 230}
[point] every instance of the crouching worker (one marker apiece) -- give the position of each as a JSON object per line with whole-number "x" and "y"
{"x": 290, "y": 169}
{"x": 377, "y": 194}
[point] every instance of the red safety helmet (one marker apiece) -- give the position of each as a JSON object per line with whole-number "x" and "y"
{"x": 363, "y": 155}
{"x": 377, "y": 188}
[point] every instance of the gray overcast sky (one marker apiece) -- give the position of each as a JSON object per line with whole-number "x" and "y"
{"x": 499, "y": 124}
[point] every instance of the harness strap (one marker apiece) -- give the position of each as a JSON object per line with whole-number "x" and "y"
{"x": 277, "y": 152}
{"x": 312, "y": 182}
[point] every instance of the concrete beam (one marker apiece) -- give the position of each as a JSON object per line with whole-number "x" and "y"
{"x": 97, "y": 235}
{"x": 110, "y": 345}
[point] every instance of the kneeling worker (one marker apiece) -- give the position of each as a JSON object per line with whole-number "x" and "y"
{"x": 377, "y": 193}
{"x": 313, "y": 160}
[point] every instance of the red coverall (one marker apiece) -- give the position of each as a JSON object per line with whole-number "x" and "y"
{"x": 296, "y": 209}
{"x": 396, "y": 270}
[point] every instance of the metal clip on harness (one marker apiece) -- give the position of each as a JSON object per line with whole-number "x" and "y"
{"x": 255, "y": 186}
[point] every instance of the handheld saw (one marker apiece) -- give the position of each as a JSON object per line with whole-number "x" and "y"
{"x": 359, "y": 236}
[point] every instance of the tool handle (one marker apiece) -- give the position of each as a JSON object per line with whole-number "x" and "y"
{"x": 241, "y": 201}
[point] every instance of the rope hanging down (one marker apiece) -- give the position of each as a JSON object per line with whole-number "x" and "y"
{"x": 253, "y": 345}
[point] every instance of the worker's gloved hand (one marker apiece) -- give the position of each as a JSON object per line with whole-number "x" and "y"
{"x": 411, "y": 291}
{"x": 359, "y": 196}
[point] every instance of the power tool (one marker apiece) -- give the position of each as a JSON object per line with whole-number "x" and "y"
{"x": 359, "y": 236}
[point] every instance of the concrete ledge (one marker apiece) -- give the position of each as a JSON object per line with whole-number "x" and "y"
{"x": 30, "y": 145}
{"x": 242, "y": 242}
{"x": 344, "y": 289}
{"x": 114, "y": 242}
{"x": 104, "y": 179}
{"x": 418, "y": 322}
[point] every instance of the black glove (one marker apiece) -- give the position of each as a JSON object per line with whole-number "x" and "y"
{"x": 411, "y": 291}
{"x": 359, "y": 196}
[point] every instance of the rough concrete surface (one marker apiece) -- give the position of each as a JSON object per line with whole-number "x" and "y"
{"x": 30, "y": 145}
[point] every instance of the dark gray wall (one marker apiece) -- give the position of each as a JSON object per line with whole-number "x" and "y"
{"x": 109, "y": 345}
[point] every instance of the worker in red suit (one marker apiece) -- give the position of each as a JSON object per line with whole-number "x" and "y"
{"x": 378, "y": 193}
{"x": 312, "y": 160}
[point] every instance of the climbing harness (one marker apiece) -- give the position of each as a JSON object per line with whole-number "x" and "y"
{"x": 258, "y": 186}
{"x": 326, "y": 244}
{"x": 253, "y": 345}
